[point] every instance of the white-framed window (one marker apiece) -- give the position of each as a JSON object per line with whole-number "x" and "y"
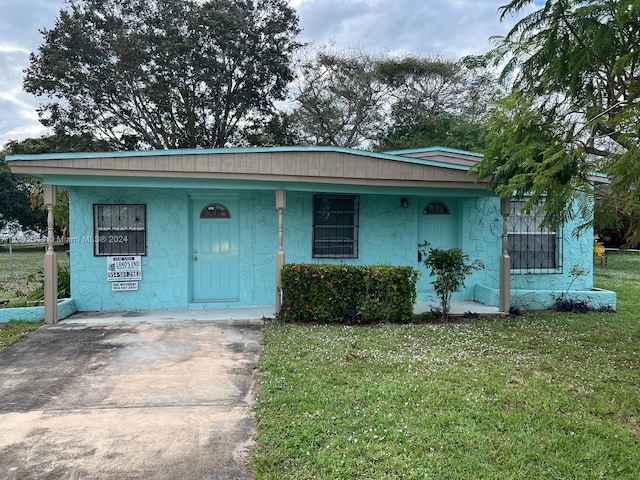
{"x": 120, "y": 229}
{"x": 335, "y": 226}
{"x": 532, "y": 248}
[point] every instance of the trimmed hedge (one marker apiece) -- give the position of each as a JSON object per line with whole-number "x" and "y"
{"x": 347, "y": 293}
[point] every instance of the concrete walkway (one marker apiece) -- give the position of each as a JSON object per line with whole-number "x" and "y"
{"x": 97, "y": 398}
{"x": 242, "y": 313}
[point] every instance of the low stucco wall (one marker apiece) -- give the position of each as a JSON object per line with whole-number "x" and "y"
{"x": 66, "y": 308}
{"x": 544, "y": 299}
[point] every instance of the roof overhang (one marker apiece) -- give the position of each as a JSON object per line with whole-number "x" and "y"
{"x": 278, "y": 165}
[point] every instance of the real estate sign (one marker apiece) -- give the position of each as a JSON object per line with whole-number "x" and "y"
{"x": 124, "y": 268}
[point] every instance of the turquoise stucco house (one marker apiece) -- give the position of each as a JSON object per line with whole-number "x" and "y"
{"x": 211, "y": 228}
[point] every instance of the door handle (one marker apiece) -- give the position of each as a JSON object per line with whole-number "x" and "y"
{"x": 195, "y": 259}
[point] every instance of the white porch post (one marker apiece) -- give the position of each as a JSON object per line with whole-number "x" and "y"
{"x": 50, "y": 261}
{"x": 281, "y": 200}
{"x": 505, "y": 260}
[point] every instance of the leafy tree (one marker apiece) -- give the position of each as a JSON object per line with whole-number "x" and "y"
{"x": 23, "y": 199}
{"x": 339, "y": 98}
{"x": 436, "y": 102}
{"x": 279, "y": 129}
{"x": 163, "y": 73}
{"x": 352, "y": 99}
{"x": 574, "y": 67}
{"x": 442, "y": 129}
{"x": 15, "y": 201}
{"x": 425, "y": 85}
{"x": 57, "y": 143}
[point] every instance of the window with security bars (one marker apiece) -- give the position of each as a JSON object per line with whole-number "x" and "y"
{"x": 532, "y": 248}
{"x": 335, "y": 226}
{"x": 120, "y": 229}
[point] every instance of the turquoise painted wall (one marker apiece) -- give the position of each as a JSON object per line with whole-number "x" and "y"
{"x": 387, "y": 231}
{"x": 482, "y": 241}
{"x": 389, "y": 235}
{"x": 166, "y": 269}
{"x": 534, "y": 291}
{"x": 165, "y": 277}
{"x": 65, "y": 308}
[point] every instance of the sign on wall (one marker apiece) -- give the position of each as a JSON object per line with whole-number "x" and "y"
{"x": 124, "y": 286}
{"x": 124, "y": 268}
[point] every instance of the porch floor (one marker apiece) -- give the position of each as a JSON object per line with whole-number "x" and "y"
{"x": 458, "y": 307}
{"x": 241, "y": 313}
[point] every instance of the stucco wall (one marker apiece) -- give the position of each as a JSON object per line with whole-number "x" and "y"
{"x": 165, "y": 279}
{"x": 65, "y": 308}
{"x": 387, "y": 231}
{"x": 482, "y": 241}
{"x": 259, "y": 244}
{"x": 389, "y": 235}
{"x": 166, "y": 269}
{"x": 534, "y": 291}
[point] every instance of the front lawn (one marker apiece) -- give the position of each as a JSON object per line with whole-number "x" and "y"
{"x": 544, "y": 395}
{"x": 22, "y": 272}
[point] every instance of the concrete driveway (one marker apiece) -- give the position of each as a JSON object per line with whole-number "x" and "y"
{"x": 149, "y": 400}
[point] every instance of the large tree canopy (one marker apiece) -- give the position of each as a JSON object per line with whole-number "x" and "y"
{"x": 436, "y": 101}
{"x": 352, "y": 99}
{"x": 163, "y": 73}
{"x": 339, "y": 98}
{"x": 574, "y": 67}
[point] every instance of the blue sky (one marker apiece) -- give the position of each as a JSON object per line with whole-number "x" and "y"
{"x": 447, "y": 28}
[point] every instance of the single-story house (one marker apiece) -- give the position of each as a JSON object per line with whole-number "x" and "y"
{"x": 180, "y": 229}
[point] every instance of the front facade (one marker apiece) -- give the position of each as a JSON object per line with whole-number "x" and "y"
{"x": 211, "y": 228}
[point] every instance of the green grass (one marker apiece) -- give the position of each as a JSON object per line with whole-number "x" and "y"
{"x": 22, "y": 272}
{"x": 14, "y": 331}
{"x": 544, "y": 395}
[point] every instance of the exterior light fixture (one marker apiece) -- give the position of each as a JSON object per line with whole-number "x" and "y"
{"x": 404, "y": 202}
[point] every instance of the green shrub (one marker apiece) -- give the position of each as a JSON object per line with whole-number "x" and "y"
{"x": 64, "y": 286}
{"x": 346, "y": 293}
{"x": 450, "y": 267}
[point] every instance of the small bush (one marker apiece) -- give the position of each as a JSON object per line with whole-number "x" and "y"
{"x": 562, "y": 304}
{"x": 514, "y": 311}
{"x": 565, "y": 305}
{"x": 450, "y": 268}
{"x": 64, "y": 286}
{"x": 347, "y": 293}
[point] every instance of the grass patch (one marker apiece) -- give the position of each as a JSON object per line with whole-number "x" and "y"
{"x": 545, "y": 395}
{"x": 14, "y": 331}
{"x": 22, "y": 272}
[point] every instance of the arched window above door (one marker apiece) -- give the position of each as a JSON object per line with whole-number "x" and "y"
{"x": 436, "y": 208}
{"x": 215, "y": 210}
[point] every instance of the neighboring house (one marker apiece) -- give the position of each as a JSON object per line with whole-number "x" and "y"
{"x": 213, "y": 227}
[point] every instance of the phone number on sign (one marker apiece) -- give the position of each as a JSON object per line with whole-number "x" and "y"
{"x": 129, "y": 275}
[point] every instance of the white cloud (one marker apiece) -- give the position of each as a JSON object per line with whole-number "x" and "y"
{"x": 450, "y": 28}
{"x": 8, "y": 47}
